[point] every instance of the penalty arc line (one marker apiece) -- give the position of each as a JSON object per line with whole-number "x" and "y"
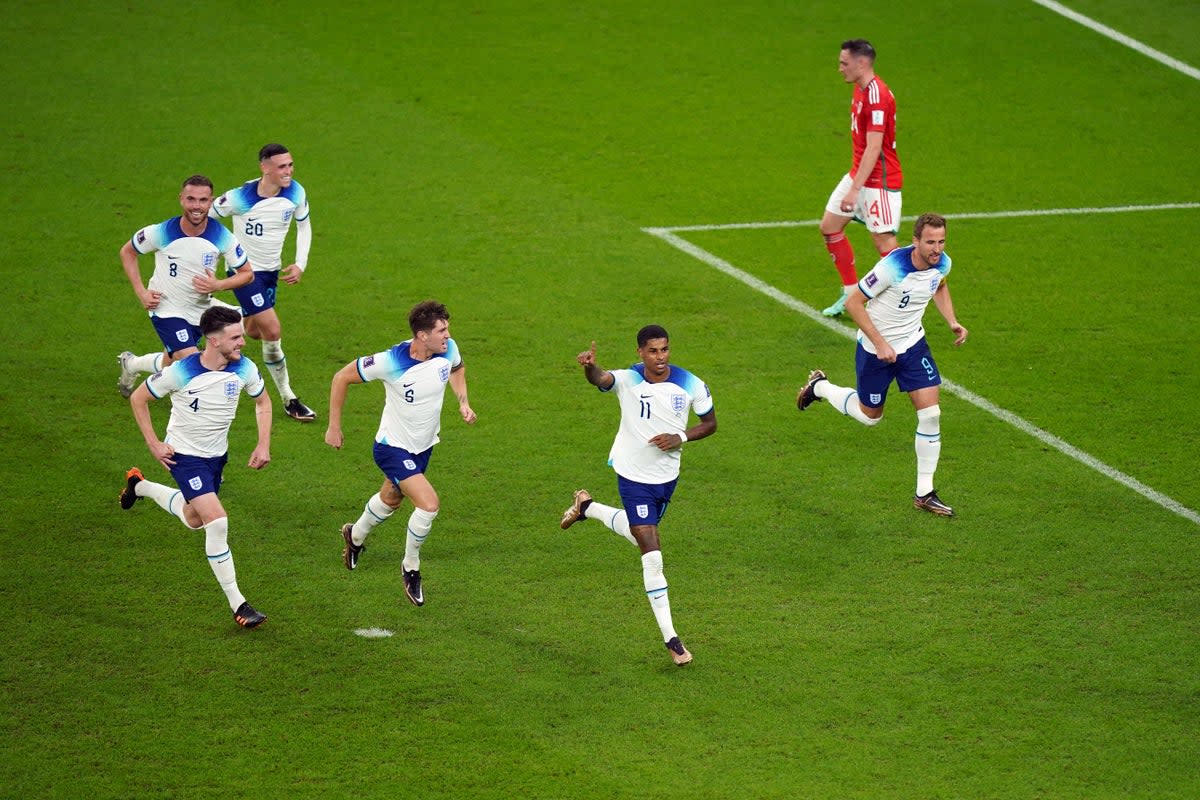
{"x": 1049, "y": 439}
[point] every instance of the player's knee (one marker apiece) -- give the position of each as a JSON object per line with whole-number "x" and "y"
{"x": 929, "y": 420}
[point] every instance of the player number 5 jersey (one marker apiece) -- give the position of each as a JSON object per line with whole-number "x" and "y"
{"x": 648, "y": 409}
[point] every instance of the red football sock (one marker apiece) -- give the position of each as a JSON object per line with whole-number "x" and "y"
{"x": 843, "y": 257}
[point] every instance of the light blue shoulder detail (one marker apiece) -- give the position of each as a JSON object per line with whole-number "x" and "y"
{"x": 684, "y": 379}
{"x": 400, "y": 359}
{"x": 899, "y": 263}
{"x": 294, "y": 192}
{"x": 452, "y": 354}
{"x": 247, "y": 370}
{"x": 246, "y": 196}
{"x": 639, "y": 373}
{"x": 219, "y": 235}
{"x": 189, "y": 368}
{"x": 944, "y": 265}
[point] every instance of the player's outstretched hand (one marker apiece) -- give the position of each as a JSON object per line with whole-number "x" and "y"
{"x": 960, "y": 334}
{"x": 259, "y": 458}
{"x": 333, "y": 438}
{"x": 588, "y": 357}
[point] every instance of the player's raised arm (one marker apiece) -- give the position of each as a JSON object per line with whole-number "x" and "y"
{"x": 594, "y": 374}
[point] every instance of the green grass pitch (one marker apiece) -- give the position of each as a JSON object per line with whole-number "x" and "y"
{"x": 505, "y": 157}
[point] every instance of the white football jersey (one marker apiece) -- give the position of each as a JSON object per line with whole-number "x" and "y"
{"x": 413, "y": 393}
{"x": 648, "y": 409}
{"x": 179, "y": 257}
{"x": 261, "y": 223}
{"x": 203, "y": 402}
{"x": 898, "y": 293}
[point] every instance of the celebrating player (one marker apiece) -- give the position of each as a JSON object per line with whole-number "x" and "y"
{"x": 892, "y": 346}
{"x": 654, "y": 398}
{"x": 414, "y": 374}
{"x": 870, "y": 192}
{"x": 185, "y": 250}
{"x": 204, "y": 389}
{"x": 263, "y": 210}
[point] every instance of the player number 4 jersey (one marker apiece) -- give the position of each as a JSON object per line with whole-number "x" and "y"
{"x": 648, "y": 409}
{"x": 898, "y": 293}
{"x": 414, "y": 390}
{"x": 203, "y": 402}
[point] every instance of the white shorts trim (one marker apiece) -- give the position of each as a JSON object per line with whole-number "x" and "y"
{"x": 877, "y": 208}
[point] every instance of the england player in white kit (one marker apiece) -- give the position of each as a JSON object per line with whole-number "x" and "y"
{"x": 186, "y": 250}
{"x": 655, "y": 399}
{"x": 204, "y": 390}
{"x": 414, "y": 375}
{"x": 263, "y": 210}
{"x": 892, "y": 346}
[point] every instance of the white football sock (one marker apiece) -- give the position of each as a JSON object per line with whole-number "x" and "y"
{"x": 169, "y": 499}
{"x": 420, "y": 522}
{"x": 844, "y": 399}
{"x": 656, "y": 591}
{"x": 375, "y": 512}
{"x": 615, "y": 519}
{"x": 150, "y": 362}
{"x": 276, "y": 364}
{"x": 220, "y": 558}
{"x": 928, "y": 446}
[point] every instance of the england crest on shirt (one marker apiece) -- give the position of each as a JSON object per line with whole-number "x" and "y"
{"x": 678, "y": 402}
{"x": 444, "y": 373}
{"x": 210, "y": 260}
{"x": 231, "y": 389}
{"x": 933, "y": 282}
{"x": 287, "y": 216}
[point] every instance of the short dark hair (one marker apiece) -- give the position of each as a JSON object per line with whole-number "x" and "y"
{"x": 196, "y": 180}
{"x": 271, "y": 150}
{"x": 860, "y": 47}
{"x": 424, "y": 316}
{"x": 927, "y": 221}
{"x": 651, "y": 332}
{"x": 217, "y": 318}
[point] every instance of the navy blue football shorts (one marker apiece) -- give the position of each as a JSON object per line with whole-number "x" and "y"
{"x": 914, "y": 369}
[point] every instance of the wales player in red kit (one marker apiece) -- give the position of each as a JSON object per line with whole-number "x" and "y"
{"x": 870, "y": 192}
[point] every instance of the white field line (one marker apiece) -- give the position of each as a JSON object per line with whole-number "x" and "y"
{"x": 1037, "y": 212}
{"x": 1117, "y": 36}
{"x": 671, "y": 237}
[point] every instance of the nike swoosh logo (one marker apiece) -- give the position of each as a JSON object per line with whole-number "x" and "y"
{"x": 645, "y": 396}
{"x": 409, "y": 384}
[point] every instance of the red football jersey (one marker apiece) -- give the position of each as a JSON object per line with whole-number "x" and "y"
{"x": 874, "y": 109}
